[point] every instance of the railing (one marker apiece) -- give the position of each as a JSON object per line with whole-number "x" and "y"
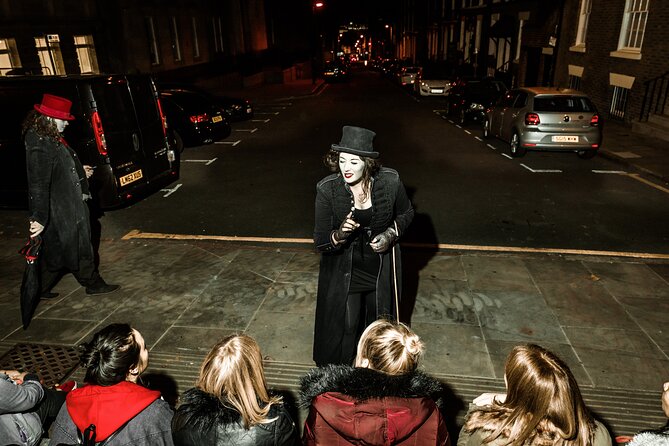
{"x": 655, "y": 96}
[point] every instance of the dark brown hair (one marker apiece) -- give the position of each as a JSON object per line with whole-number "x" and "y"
{"x": 41, "y": 124}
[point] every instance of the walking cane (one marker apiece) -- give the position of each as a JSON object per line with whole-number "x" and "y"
{"x": 397, "y": 298}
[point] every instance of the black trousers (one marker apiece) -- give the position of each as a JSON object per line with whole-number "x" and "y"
{"x": 361, "y": 310}
{"x": 49, "y": 406}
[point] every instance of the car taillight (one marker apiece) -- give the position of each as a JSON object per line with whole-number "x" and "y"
{"x": 99, "y": 132}
{"x": 532, "y": 119}
{"x": 199, "y": 118}
{"x": 594, "y": 121}
{"x": 162, "y": 117}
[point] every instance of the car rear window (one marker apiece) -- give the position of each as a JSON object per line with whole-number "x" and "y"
{"x": 563, "y": 104}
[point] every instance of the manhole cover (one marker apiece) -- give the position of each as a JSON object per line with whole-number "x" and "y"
{"x": 53, "y": 363}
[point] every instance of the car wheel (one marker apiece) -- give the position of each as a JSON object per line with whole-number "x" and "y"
{"x": 461, "y": 117}
{"x": 516, "y": 149}
{"x": 587, "y": 154}
{"x": 486, "y": 128}
{"x": 177, "y": 141}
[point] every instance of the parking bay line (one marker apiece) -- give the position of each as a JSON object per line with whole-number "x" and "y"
{"x": 260, "y": 120}
{"x": 232, "y": 143}
{"x": 170, "y": 191}
{"x": 541, "y": 170}
{"x": 266, "y": 113}
{"x": 468, "y": 132}
{"x": 491, "y": 146}
{"x": 206, "y": 162}
{"x": 137, "y": 234}
{"x": 246, "y": 130}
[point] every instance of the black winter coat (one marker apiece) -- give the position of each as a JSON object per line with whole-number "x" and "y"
{"x": 202, "y": 419}
{"x": 57, "y": 185}
{"x": 333, "y": 202}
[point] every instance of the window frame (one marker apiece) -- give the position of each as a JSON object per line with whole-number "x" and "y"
{"x": 631, "y": 37}
{"x": 154, "y": 50}
{"x": 174, "y": 35}
{"x": 583, "y": 19}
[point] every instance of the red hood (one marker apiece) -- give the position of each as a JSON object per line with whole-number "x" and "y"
{"x": 375, "y": 422}
{"x": 108, "y": 408}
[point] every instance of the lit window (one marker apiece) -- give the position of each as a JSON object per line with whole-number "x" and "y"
{"x": 634, "y": 25}
{"x": 153, "y": 42}
{"x": 88, "y": 61}
{"x": 618, "y": 103}
{"x": 50, "y": 57}
{"x": 583, "y": 18}
{"x": 9, "y": 56}
{"x": 174, "y": 34}
{"x": 196, "y": 42}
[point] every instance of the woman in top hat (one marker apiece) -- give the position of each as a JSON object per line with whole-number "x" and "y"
{"x": 361, "y": 211}
{"x": 58, "y": 188}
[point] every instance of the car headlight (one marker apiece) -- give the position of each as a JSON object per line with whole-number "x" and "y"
{"x": 475, "y": 106}
{"x": 236, "y": 107}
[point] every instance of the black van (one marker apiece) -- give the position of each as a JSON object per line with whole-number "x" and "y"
{"x": 119, "y": 128}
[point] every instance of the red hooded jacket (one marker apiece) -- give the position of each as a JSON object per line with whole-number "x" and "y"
{"x": 108, "y": 408}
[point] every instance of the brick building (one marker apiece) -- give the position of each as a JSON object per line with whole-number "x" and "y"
{"x": 613, "y": 50}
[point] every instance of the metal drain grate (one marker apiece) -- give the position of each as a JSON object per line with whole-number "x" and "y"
{"x": 53, "y": 363}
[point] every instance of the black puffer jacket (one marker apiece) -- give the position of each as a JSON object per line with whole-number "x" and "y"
{"x": 202, "y": 419}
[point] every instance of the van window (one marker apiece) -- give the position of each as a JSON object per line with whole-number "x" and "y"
{"x": 114, "y": 105}
{"x": 144, "y": 99}
{"x": 573, "y": 104}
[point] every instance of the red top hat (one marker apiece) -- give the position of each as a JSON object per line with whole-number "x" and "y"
{"x": 55, "y": 107}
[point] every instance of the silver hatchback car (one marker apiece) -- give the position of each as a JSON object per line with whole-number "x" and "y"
{"x": 542, "y": 118}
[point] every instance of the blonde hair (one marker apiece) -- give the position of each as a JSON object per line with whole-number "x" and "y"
{"x": 233, "y": 371}
{"x": 390, "y": 347}
{"x": 543, "y": 405}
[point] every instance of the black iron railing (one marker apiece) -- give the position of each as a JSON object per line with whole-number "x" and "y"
{"x": 655, "y": 96}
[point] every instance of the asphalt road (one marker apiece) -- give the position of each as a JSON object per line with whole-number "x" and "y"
{"x": 260, "y": 182}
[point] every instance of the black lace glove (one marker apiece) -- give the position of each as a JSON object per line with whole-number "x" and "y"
{"x": 382, "y": 242}
{"x": 345, "y": 229}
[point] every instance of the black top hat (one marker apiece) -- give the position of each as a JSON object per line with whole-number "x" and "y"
{"x": 357, "y": 141}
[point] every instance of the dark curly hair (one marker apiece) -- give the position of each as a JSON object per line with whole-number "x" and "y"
{"x": 41, "y": 124}
{"x": 110, "y": 355}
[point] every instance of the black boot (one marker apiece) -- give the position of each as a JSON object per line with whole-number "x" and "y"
{"x": 99, "y": 286}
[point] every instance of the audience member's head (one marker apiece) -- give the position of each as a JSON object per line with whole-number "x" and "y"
{"x": 116, "y": 353}
{"x": 389, "y": 347}
{"x": 233, "y": 372}
{"x": 665, "y": 399}
{"x": 543, "y": 404}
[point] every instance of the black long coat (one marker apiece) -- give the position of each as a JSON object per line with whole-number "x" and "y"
{"x": 56, "y": 189}
{"x": 333, "y": 202}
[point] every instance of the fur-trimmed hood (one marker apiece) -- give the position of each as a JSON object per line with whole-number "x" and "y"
{"x": 659, "y": 437}
{"x": 205, "y": 411}
{"x": 365, "y": 407}
{"x": 363, "y": 384}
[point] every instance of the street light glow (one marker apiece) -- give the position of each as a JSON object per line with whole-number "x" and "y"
{"x": 319, "y": 4}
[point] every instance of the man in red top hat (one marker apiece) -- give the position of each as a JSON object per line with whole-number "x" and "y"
{"x": 58, "y": 188}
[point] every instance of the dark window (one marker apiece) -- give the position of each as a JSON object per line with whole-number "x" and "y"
{"x": 521, "y": 100}
{"x": 575, "y": 82}
{"x": 563, "y": 104}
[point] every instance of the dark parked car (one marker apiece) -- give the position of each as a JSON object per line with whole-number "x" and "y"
{"x": 193, "y": 118}
{"x": 119, "y": 128}
{"x": 235, "y": 109}
{"x": 468, "y": 100}
{"x": 335, "y": 71}
{"x": 542, "y": 118}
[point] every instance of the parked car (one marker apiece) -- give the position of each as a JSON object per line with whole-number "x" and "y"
{"x": 335, "y": 71}
{"x": 235, "y": 109}
{"x": 433, "y": 81}
{"x": 119, "y": 128}
{"x": 541, "y": 118}
{"x": 468, "y": 100}
{"x": 406, "y": 76}
{"x": 194, "y": 119}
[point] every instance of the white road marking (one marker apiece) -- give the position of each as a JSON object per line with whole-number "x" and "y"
{"x": 266, "y": 113}
{"x": 260, "y": 120}
{"x": 619, "y": 172}
{"x": 504, "y": 154}
{"x": 451, "y": 121}
{"x": 491, "y": 146}
{"x": 478, "y": 138}
{"x": 541, "y": 170}
{"x": 438, "y": 111}
{"x": 137, "y": 234}
{"x": 229, "y": 142}
{"x": 170, "y": 191}
{"x": 468, "y": 132}
{"x": 246, "y": 130}
{"x": 457, "y": 125}
{"x": 206, "y": 162}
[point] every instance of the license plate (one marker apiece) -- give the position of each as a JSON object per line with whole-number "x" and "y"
{"x": 436, "y": 91}
{"x": 216, "y": 119}
{"x": 565, "y": 138}
{"x": 131, "y": 177}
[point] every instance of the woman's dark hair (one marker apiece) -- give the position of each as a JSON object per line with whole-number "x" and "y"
{"x": 41, "y": 124}
{"x": 110, "y": 355}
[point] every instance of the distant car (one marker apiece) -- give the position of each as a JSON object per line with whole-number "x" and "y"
{"x": 541, "y": 118}
{"x": 432, "y": 82}
{"x": 406, "y": 76}
{"x": 468, "y": 100}
{"x": 235, "y": 109}
{"x": 193, "y": 118}
{"x": 335, "y": 71}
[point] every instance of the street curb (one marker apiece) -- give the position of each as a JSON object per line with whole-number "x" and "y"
{"x": 611, "y": 156}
